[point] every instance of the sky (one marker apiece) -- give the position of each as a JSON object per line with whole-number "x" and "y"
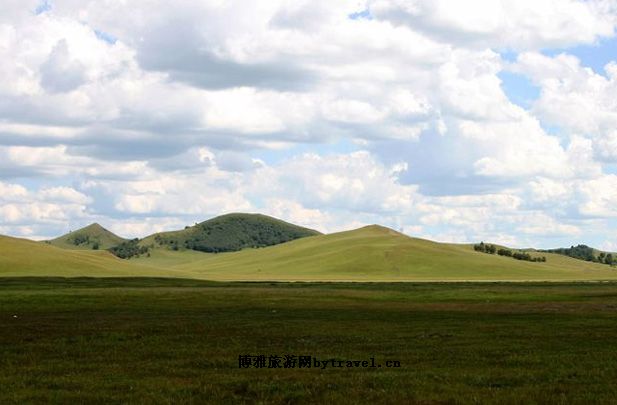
{"x": 457, "y": 121}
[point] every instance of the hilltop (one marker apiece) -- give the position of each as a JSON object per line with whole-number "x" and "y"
{"x": 91, "y": 237}
{"x": 376, "y": 253}
{"x": 228, "y": 233}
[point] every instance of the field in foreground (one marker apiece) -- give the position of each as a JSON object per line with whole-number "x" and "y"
{"x": 169, "y": 341}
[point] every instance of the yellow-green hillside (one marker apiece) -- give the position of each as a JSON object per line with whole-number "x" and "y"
{"x": 381, "y": 254}
{"x": 22, "y": 257}
{"x": 371, "y": 253}
{"x": 91, "y": 237}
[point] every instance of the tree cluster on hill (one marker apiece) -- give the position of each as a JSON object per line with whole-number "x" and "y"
{"x": 129, "y": 249}
{"x": 83, "y": 239}
{"x": 231, "y": 233}
{"x": 607, "y": 258}
{"x": 492, "y": 249}
{"x": 485, "y": 247}
{"x": 584, "y": 252}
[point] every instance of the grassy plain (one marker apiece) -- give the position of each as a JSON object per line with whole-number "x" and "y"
{"x": 177, "y": 341}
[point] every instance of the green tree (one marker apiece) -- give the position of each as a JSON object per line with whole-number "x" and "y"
{"x": 608, "y": 259}
{"x": 504, "y": 252}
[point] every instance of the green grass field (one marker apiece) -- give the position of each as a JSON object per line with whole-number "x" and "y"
{"x": 153, "y": 330}
{"x": 178, "y": 341}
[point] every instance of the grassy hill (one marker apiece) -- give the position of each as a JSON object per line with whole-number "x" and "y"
{"x": 91, "y": 237}
{"x": 381, "y": 254}
{"x": 584, "y": 252}
{"x": 22, "y": 257}
{"x": 372, "y": 253}
{"x": 231, "y": 232}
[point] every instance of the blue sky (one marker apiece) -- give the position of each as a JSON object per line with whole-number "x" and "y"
{"x": 454, "y": 121}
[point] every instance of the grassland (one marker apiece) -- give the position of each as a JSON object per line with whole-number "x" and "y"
{"x": 376, "y": 253}
{"x": 22, "y": 258}
{"x": 372, "y": 253}
{"x": 178, "y": 341}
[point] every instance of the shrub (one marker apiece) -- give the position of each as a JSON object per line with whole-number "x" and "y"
{"x": 129, "y": 249}
{"x": 504, "y": 252}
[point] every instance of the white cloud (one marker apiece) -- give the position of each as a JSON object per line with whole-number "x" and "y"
{"x": 298, "y": 110}
{"x": 63, "y": 195}
{"x": 12, "y": 192}
{"x": 600, "y": 197}
{"x": 522, "y": 24}
{"x": 24, "y": 210}
{"x": 59, "y": 73}
{"x": 354, "y": 182}
{"x": 575, "y": 98}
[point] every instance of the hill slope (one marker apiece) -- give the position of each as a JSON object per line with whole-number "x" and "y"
{"x": 584, "y": 252}
{"x": 231, "y": 232}
{"x": 371, "y": 253}
{"x": 91, "y": 237}
{"x": 381, "y": 254}
{"x": 22, "y": 257}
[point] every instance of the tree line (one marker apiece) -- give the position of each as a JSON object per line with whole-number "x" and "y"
{"x": 584, "y": 252}
{"x": 492, "y": 249}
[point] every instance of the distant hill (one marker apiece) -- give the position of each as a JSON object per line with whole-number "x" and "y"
{"x": 376, "y": 253}
{"x": 371, "y": 253}
{"x": 91, "y": 237}
{"x": 228, "y": 233}
{"x": 22, "y": 257}
{"x": 584, "y": 252}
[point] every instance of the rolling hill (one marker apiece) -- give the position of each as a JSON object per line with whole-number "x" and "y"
{"x": 230, "y": 232}
{"x": 91, "y": 237}
{"x": 375, "y": 253}
{"x": 22, "y": 257}
{"x": 371, "y": 253}
{"x": 584, "y": 252}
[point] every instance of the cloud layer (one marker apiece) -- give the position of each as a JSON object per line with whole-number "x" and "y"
{"x": 149, "y": 115}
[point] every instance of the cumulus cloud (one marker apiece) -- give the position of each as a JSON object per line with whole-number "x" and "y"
{"x": 397, "y": 116}
{"x": 575, "y": 98}
{"x": 60, "y": 73}
{"x": 354, "y": 182}
{"x": 28, "y": 212}
{"x": 504, "y": 24}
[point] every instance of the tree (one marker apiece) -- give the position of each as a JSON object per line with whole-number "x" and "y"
{"x": 609, "y": 259}
{"x": 129, "y": 249}
{"x": 504, "y": 252}
{"x": 522, "y": 256}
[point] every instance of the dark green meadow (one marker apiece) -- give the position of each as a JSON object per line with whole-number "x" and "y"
{"x": 178, "y": 341}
